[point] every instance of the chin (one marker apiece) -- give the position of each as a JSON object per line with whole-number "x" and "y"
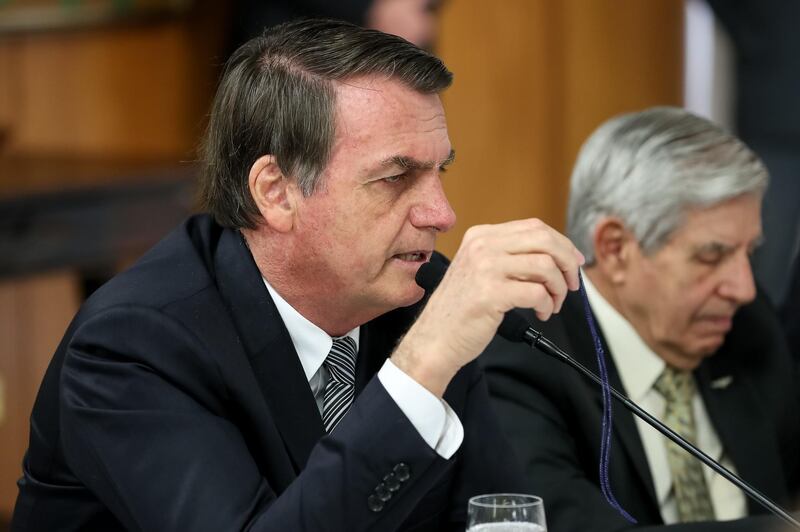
{"x": 707, "y": 347}
{"x": 409, "y": 297}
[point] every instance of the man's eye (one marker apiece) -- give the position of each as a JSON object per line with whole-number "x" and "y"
{"x": 709, "y": 258}
{"x": 394, "y": 178}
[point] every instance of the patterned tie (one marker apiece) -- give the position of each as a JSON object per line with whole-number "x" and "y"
{"x": 691, "y": 492}
{"x": 341, "y": 364}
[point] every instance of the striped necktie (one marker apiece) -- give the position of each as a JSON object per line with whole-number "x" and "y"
{"x": 691, "y": 491}
{"x": 341, "y": 365}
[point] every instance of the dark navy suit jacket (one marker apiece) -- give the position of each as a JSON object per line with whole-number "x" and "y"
{"x": 176, "y": 402}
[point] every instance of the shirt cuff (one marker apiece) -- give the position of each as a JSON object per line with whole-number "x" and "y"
{"x": 433, "y": 418}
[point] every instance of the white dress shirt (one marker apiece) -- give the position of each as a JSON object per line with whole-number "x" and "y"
{"x": 639, "y": 368}
{"x": 433, "y": 418}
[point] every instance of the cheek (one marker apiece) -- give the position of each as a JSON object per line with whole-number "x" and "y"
{"x": 664, "y": 304}
{"x": 682, "y": 304}
{"x": 355, "y": 250}
{"x": 670, "y": 318}
{"x": 682, "y": 324}
{"x": 329, "y": 228}
{"x": 355, "y": 236}
{"x": 700, "y": 296}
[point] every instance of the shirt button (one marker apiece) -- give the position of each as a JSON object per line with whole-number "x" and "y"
{"x": 402, "y": 472}
{"x": 374, "y": 503}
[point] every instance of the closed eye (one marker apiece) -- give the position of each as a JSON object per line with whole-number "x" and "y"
{"x": 713, "y": 253}
{"x": 394, "y": 178}
{"x": 709, "y": 257}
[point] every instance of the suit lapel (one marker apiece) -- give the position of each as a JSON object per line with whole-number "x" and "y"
{"x": 269, "y": 348}
{"x": 272, "y": 355}
{"x": 624, "y": 424}
{"x": 731, "y": 402}
{"x": 738, "y": 419}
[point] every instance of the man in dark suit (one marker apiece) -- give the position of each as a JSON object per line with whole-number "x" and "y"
{"x": 211, "y": 387}
{"x": 665, "y": 207}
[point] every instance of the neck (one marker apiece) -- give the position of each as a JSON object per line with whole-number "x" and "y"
{"x": 275, "y": 258}
{"x": 605, "y": 287}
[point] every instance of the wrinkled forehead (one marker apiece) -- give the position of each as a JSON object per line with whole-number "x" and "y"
{"x": 378, "y": 119}
{"x": 379, "y": 99}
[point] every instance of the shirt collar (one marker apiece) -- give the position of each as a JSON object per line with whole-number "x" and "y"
{"x": 639, "y": 366}
{"x": 311, "y": 343}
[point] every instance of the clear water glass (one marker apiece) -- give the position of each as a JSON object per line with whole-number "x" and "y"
{"x": 506, "y": 512}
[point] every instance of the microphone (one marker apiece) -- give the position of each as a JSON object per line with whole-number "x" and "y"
{"x": 516, "y": 328}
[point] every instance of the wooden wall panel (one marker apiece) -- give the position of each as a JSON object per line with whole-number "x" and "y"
{"x": 619, "y": 56}
{"x": 7, "y": 85}
{"x": 122, "y": 93}
{"x": 532, "y": 79}
{"x": 34, "y": 313}
{"x": 499, "y": 109}
{"x": 140, "y": 90}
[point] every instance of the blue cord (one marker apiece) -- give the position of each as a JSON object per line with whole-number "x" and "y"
{"x": 605, "y": 439}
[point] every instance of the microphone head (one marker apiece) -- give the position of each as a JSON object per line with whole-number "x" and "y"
{"x": 514, "y": 324}
{"x": 430, "y": 275}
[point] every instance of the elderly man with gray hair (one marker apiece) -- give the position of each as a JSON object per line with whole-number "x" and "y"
{"x": 665, "y": 206}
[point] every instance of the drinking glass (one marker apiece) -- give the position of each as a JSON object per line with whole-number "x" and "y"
{"x": 506, "y": 512}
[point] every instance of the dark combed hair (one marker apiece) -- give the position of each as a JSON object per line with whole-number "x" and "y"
{"x": 277, "y": 97}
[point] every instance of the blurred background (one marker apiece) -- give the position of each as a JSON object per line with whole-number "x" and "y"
{"x": 102, "y": 103}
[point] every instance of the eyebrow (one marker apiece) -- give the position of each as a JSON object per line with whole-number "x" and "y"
{"x": 409, "y": 163}
{"x": 714, "y": 247}
{"x": 720, "y": 247}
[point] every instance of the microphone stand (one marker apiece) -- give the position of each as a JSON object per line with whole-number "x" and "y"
{"x": 536, "y": 340}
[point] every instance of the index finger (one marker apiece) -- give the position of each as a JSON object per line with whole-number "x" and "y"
{"x": 534, "y": 236}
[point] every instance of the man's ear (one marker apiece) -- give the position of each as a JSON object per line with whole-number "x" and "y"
{"x": 273, "y": 193}
{"x": 613, "y": 245}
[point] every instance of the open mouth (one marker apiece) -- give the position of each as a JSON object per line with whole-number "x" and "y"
{"x": 414, "y": 256}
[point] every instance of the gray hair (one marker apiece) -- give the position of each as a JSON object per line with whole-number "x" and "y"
{"x": 277, "y": 97}
{"x": 649, "y": 168}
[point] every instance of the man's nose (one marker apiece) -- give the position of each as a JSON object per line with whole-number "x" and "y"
{"x": 738, "y": 284}
{"x": 432, "y": 210}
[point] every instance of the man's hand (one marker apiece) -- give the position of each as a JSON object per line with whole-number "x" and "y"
{"x": 523, "y": 263}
